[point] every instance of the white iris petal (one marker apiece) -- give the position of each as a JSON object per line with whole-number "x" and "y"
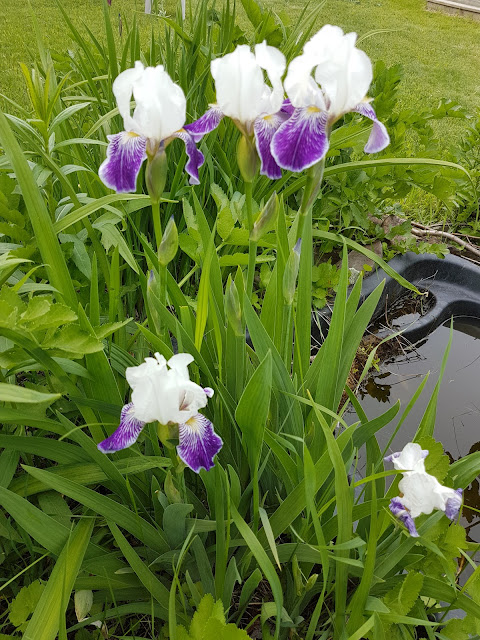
{"x": 342, "y": 73}
{"x": 160, "y": 103}
{"x": 242, "y": 93}
{"x": 163, "y": 391}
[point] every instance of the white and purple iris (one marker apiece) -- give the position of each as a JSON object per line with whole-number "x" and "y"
{"x": 158, "y": 119}
{"x": 162, "y": 391}
{"x": 340, "y": 84}
{"x": 256, "y": 108}
{"x": 421, "y": 492}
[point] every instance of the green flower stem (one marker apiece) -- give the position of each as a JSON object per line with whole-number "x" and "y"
{"x": 252, "y": 244}
{"x": 286, "y": 343}
{"x": 162, "y": 269}
{"x": 157, "y": 223}
{"x": 304, "y": 291}
{"x": 313, "y": 184}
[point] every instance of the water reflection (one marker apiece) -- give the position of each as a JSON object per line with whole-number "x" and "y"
{"x": 458, "y": 410}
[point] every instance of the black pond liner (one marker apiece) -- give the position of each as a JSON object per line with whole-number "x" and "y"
{"x": 453, "y": 285}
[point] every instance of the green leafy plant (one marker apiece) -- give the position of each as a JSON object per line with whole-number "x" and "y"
{"x": 277, "y": 537}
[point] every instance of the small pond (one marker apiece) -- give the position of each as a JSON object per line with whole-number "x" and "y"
{"x": 458, "y": 409}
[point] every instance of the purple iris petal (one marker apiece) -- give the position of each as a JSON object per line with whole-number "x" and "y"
{"x": 126, "y": 434}
{"x": 195, "y": 157}
{"x": 125, "y": 155}
{"x": 198, "y": 443}
{"x": 379, "y": 138}
{"x": 209, "y": 392}
{"x": 452, "y": 506}
{"x": 399, "y": 511}
{"x": 302, "y": 140}
{"x": 207, "y": 123}
{"x": 265, "y": 128}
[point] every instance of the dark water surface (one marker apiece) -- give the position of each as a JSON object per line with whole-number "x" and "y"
{"x": 458, "y": 410}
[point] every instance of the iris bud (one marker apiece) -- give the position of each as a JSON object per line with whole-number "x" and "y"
{"x": 233, "y": 308}
{"x": 156, "y": 174}
{"x": 291, "y": 273}
{"x": 169, "y": 244}
{"x": 247, "y": 158}
{"x": 266, "y": 218}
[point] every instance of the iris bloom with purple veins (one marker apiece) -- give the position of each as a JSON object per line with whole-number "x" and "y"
{"x": 342, "y": 76}
{"x": 256, "y": 108}
{"x": 158, "y": 119}
{"x": 162, "y": 391}
{"x": 421, "y": 492}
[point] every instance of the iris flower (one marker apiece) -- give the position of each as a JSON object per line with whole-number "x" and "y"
{"x": 162, "y": 391}
{"x": 158, "y": 119}
{"x": 420, "y": 491}
{"x": 342, "y": 76}
{"x": 256, "y": 108}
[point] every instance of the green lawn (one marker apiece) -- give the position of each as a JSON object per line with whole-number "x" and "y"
{"x": 440, "y": 53}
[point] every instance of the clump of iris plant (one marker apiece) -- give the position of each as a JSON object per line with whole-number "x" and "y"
{"x": 421, "y": 492}
{"x": 163, "y": 392}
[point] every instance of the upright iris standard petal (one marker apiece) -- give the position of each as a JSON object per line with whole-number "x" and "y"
{"x": 195, "y": 156}
{"x": 264, "y": 130}
{"x": 126, "y": 433}
{"x": 125, "y": 156}
{"x": 302, "y": 140}
{"x": 198, "y": 443}
{"x": 379, "y": 138}
{"x": 207, "y": 123}
{"x": 411, "y": 458}
{"x": 239, "y": 84}
{"x": 160, "y": 103}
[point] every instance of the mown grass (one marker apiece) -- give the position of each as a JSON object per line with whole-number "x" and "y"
{"x": 440, "y": 53}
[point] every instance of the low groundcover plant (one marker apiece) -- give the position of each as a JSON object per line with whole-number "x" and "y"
{"x": 207, "y": 490}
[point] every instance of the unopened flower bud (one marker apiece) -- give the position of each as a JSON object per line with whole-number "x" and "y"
{"x": 291, "y": 273}
{"x": 171, "y": 491}
{"x": 266, "y": 218}
{"x": 233, "y": 308}
{"x": 169, "y": 244}
{"x": 156, "y": 174}
{"x": 247, "y": 158}
{"x": 311, "y": 582}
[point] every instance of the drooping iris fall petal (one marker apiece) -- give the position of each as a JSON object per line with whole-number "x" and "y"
{"x": 126, "y": 433}
{"x": 198, "y": 443}
{"x": 125, "y": 156}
